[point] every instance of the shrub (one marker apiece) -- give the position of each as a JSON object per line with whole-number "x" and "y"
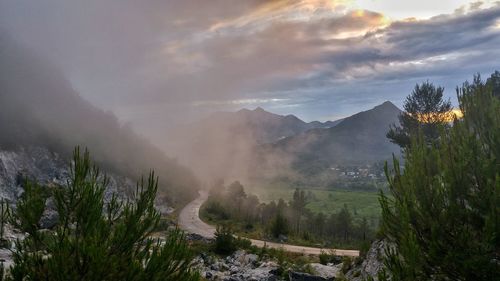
{"x": 95, "y": 240}
{"x": 324, "y": 258}
{"x": 243, "y": 243}
{"x": 346, "y": 264}
{"x": 225, "y": 242}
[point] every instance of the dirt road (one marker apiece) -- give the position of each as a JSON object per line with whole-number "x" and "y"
{"x": 190, "y": 221}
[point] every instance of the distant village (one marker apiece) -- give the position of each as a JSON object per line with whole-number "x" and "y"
{"x": 373, "y": 172}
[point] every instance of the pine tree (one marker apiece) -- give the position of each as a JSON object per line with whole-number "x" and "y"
{"x": 94, "y": 239}
{"x": 319, "y": 224}
{"x": 236, "y": 195}
{"x": 298, "y": 205}
{"x": 444, "y": 217}
{"x": 279, "y": 225}
{"x": 494, "y": 82}
{"x": 425, "y": 111}
{"x": 344, "y": 223}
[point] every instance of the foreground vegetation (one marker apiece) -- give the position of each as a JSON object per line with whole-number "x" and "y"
{"x": 444, "y": 217}
{"x": 95, "y": 238}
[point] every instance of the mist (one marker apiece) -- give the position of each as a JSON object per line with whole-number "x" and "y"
{"x": 39, "y": 107}
{"x": 113, "y": 74}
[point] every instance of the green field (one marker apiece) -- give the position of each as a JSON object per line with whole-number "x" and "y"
{"x": 360, "y": 203}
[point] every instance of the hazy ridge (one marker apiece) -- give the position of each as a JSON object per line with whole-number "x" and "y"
{"x": 39, "y": 107}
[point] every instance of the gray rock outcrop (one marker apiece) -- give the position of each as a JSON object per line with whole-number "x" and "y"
{"x": 371, "y": 265}
{"x": 239, "y": 266}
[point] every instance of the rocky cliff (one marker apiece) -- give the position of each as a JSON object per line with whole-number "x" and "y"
{"x": 46, "y": 167}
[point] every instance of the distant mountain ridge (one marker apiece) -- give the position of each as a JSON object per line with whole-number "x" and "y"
{"x": 264, "y": 126}
{"x": 242, "y": 144}
{"x": 356, "y": 140}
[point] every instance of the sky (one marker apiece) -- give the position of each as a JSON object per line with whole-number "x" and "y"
{"x": 156, "y": 64}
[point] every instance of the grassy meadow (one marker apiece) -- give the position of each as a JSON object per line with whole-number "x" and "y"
{"x": 360, "y": 203}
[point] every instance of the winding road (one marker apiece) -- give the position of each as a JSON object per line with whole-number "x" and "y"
{"x": 190, "y": 221}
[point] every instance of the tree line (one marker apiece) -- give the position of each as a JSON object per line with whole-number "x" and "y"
{"x": 282, "y": 220}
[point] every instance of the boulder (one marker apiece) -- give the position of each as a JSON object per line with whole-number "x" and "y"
{"x": 326, "y": 271}
{"x": 49, "y": 219}
{"x": 239, "y": 266}
{"x": 371, "y": 265}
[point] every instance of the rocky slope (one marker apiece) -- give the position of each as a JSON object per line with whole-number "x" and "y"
{"x": 46, "y": 167}
{"x": 242, "y": 265}
{"x": 371, "y": 265}
{"x": 239, "y": 266}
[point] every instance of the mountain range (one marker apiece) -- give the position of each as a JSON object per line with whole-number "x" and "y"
{"x": 244, "y": 143}
{"x": 357, "y": 140}
{"x": 262, "y": 126}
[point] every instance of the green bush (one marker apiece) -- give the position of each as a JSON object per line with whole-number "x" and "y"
{"x": 324, "y": 258}
{"x": 329, "y": 257}
{"x": 225, "y": 242}
{"x": 243, "y": 243}
{"x": 346, "y": 264}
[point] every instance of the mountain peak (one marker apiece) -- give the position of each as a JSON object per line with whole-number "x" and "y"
{"x": 259, "y": 109}
{"x": 386, "y": 105}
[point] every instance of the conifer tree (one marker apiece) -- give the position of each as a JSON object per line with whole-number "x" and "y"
{"x": 494, "y": 82}
{"x": 444, "y": 215}
{"x": 425, "y": 111}
{"x": 344, "y": 223}
{"x": 279, "y": 225}
{"x": 298, "y": 205}
{"x": 95, "y": 239}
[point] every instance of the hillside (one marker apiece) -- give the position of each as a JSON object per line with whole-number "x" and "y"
{"x": 357, "y": 140}
{"x": 39, "y": 107}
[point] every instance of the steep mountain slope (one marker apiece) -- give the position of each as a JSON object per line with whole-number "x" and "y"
{"x": 358, "y": 139}
{"x": 39, "y": 107}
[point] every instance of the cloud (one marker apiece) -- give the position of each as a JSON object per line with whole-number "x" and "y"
{"x": 156, "y": 62}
